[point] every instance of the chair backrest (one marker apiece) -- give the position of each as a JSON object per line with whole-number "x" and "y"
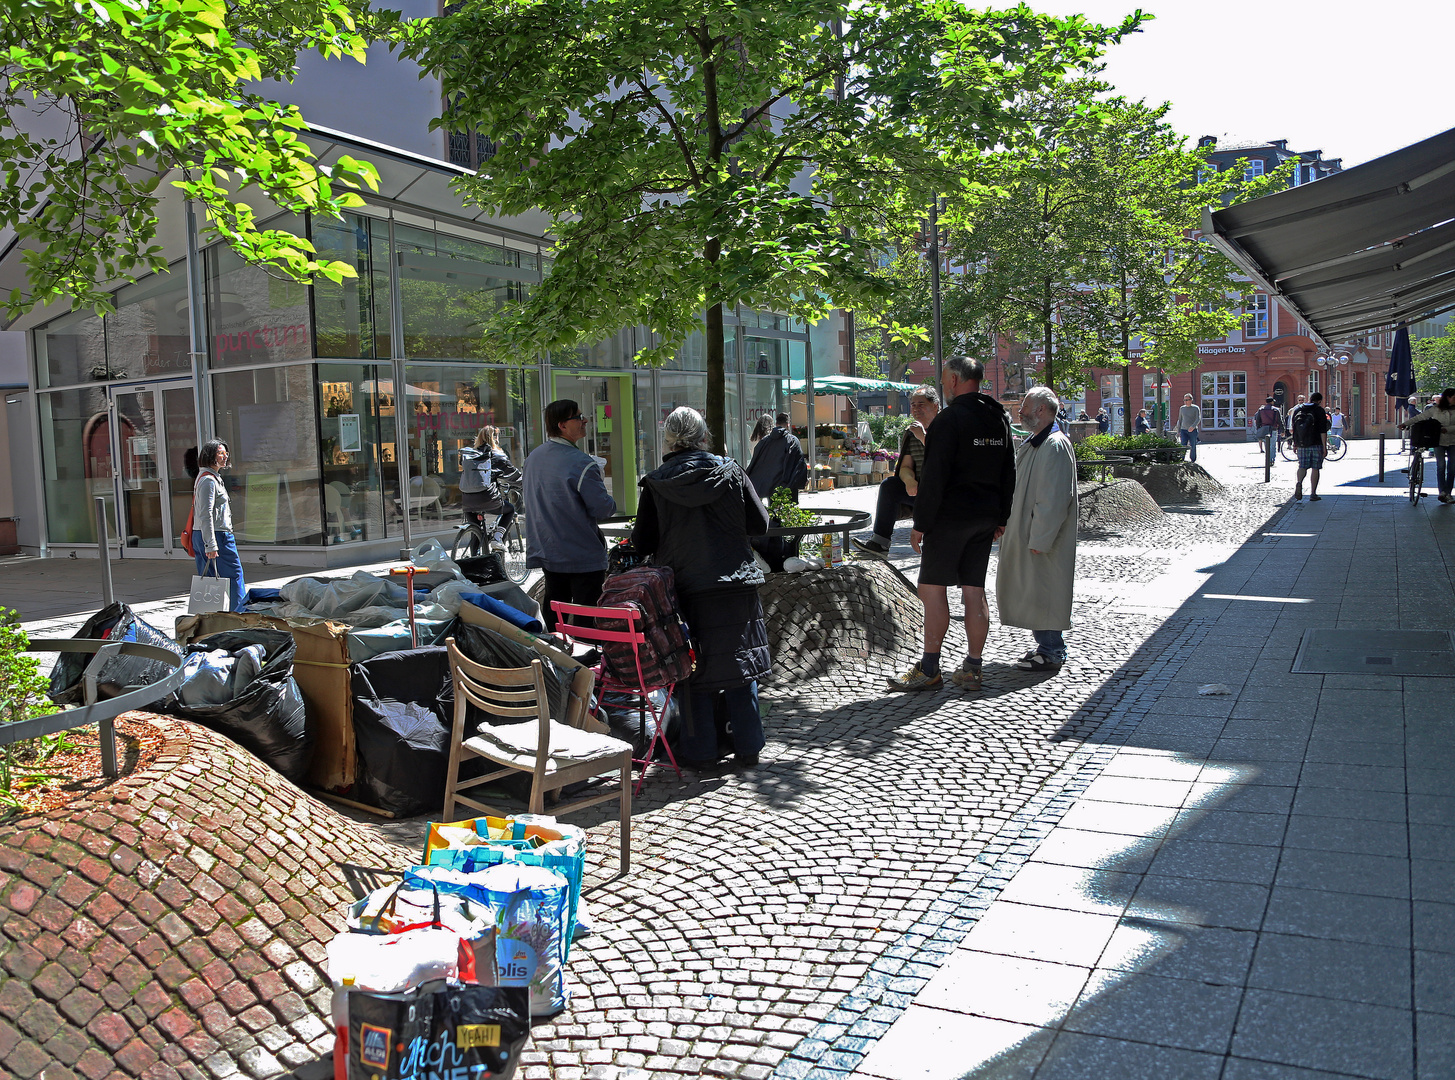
{"x": 511, "y": 692}
{"x": 342, "y": 488}
{"x": 631, "y": 635}
{"x": 430, "y": 487}
{"x": 331, "y": 500}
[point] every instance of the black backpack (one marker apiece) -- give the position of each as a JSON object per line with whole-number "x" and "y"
{"x": 1425, "y": 434}
{"x": 1309, "y": 422}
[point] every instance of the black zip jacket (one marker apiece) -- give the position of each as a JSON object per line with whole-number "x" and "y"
{"x": 969, "y": 472}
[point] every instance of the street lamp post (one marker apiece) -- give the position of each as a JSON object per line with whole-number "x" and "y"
{"x": 1333, "y": 362}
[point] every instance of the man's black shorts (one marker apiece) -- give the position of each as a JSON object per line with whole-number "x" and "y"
{"x": 957, "y": 553}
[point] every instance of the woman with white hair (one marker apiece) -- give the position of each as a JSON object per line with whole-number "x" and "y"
{"x": 695, "y": 515}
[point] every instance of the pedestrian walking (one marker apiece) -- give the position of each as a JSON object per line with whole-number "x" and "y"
{"x": 1189, "y": 423}
{"x": 1270, "y": 422}
{"x": 964, "y": 501}
{"x": 213, "y": 540}
{"x": 778, "y": 461}
{"x": 484, "y": 468}
{"x": 695, "y": 515}
{"x": 761, "y": 427}
{"x": 1308, "y": 426}
{"x": 1036, "y": 574}
{"x": 1336, "y": 423}
{"x": 1142, "y": 425}
{"x": 897, "y": 490}
{"x": 565, "y": 496}
{"x": 1443, "y": 410}
{"x": 1103, "y": 420}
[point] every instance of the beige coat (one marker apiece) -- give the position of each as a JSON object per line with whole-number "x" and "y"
{"x": 1034, "y": 591}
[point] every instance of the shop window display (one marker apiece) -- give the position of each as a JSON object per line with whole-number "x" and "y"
{"x": 268, "y": 418}
{"x": 356, "y": 443}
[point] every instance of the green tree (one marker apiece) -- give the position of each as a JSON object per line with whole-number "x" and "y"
{"x": 1149, "y": 276}
{"x": 693, "y": 156}
{"x": 1433, "y": 361}
{"x": 107, "y": 99}
{"x": 890, "y": 337}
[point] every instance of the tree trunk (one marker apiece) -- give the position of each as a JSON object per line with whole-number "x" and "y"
{"x": 1126, "y": 362}
{"x": 716, "y": 375}
{"x": 1046, "y": 316}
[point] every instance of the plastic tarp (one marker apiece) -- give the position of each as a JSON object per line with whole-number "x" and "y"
{"x": 117, "y": 622}
{"x": 262, "y": 708}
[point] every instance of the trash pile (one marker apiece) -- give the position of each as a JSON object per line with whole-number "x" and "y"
{"x": 450, "y": 965}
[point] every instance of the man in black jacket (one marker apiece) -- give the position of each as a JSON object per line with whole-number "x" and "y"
{"x": 963, "y": 505}
{"x": 778, "y": 462}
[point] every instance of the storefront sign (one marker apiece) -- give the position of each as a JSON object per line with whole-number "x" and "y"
{"x": 265, "y": 337}
{"x": 1215, "y": 350}
{"x": 350, "y": 440}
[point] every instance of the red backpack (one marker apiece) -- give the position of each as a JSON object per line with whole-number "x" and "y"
{"x": 667, "y": 655}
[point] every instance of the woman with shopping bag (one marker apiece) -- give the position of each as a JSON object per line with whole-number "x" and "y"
{"x": 213, "y": 545}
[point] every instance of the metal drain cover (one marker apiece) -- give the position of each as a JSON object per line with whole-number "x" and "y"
{"x": 1376, "y": 652}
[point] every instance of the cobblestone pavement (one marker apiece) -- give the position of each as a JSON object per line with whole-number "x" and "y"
{"x": 761, "y": 900}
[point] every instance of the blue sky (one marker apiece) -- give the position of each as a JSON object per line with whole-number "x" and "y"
{"x": 1355, "y": 80}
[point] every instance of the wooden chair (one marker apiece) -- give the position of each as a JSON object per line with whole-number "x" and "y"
{"x": 526, "y": 747}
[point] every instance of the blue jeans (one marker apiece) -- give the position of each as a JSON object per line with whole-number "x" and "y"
{"x": 742, "y": 717}
{"x": 229, "y": 566}
{"x": 1051, "y": 642}
{"x": 1189, "y": 440}
{"x": 892, "y": 498}
{"x": 1445, "y": 468}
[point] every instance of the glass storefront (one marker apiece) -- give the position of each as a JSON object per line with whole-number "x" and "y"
{"x": 301, "y": 384}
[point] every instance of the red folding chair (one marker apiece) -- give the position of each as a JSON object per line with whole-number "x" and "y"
{"x": 607, "y": 681}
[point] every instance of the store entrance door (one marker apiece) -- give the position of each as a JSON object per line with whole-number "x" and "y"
{"x": 152, "y": 428}
{"x": 606, "y": 402}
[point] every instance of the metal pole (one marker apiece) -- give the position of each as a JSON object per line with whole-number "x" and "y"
{"x": 1381, "y": 457}
{"x": 939, "y": 345}
{"x": 104, "y": 544}
{"x": 401, "y": 397}
{"x": 812, "y": 413}
{"x": 1268, "y": 459}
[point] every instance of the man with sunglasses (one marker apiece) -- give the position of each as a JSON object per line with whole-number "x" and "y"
{"x": 898, "y": 489}
{"x": 565, "y": 496}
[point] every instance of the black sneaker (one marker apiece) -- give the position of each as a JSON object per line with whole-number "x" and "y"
{"x": 870, "y": 547}
{"x": 745, "y": 761}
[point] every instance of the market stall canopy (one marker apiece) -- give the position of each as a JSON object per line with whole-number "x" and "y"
{"x": 1366, "y": 248}
{"x": 849, "y": 384}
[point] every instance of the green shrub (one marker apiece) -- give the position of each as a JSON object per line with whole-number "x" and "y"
{"x": 887, "y": 430}
{"x": 1121, "y": 444}
{"x": 22, "y": 695}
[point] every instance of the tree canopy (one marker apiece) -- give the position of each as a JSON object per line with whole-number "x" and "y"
{"x": 105, "y": 99}
{"x": 1433, "y": 360}
{"x": 700, "y": 155}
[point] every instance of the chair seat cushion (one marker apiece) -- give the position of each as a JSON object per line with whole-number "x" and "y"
{"x": 516, "y": 744}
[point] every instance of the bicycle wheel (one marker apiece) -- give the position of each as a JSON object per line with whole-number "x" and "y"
{"x": 1337, "y": 448}
{"x": 1417, "y": 476}
{"x": 513, "y": 560}
{"x": 1287, "y": 449}
{"x": 469, "y": 540}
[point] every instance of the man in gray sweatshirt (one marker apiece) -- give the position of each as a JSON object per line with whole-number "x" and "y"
{"x": 565, "y": 496}
{"x": 1189, "y": 422}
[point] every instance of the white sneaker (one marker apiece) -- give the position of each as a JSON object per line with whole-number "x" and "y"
{"x": 497, "y": 542}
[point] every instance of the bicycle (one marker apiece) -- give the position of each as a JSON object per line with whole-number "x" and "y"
{"x": 472, "y": 536}
{"x": 1417, "y": 475}
{"x": 1337, "y": 448}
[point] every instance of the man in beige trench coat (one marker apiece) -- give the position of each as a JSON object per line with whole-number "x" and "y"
{"x": 1037, "y": 570}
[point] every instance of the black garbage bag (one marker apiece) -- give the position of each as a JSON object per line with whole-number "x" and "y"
{"x": 484, "y": 646}
{"x": 482, "y": 569}
{"x": 267, "y": 716}
{"x": 116, "y": 622}
{"x": 403, "y": 704}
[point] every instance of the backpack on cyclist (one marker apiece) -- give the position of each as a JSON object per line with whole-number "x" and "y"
{"x": 474, "y": 470}
{"x": 1308, "y": 423}
{"x": 1425, "y": 434}
{"x": 667, "y": 655}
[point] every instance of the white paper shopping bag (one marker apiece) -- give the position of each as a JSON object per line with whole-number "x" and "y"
{"x": 209, "y": 593}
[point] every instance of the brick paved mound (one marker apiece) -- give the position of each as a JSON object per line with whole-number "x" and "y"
{"x": 174, "y": 924}
{"x": 1173, "y": 485}
{"x": 1113, "y": 505}
{"x": 860, "y": 616}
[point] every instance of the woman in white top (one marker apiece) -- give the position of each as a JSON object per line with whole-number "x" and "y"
{"x": 1443, "y": 410}
{"x": 1336, "y": 423}
{"x": 212, "y": 537}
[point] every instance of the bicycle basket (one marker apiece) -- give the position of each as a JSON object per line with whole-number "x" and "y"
{"x": 1425, "y": 435}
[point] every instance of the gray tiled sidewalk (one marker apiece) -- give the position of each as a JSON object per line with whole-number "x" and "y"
{"x": 1258, "y": 886}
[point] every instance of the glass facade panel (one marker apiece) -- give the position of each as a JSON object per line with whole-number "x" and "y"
{"x": 360, "y": 475}
{"x": 71, "y": 349}
{"x": 252, "y": 316}
{"x": 762, "y": 397}
{"x": 269, "y": 420}
{"x": 447, "y": 405}
{"x": 647, "y": 426}
{"x": 764, "y": 356}
{"x": 149, "y": 334}
{"x": 449, "y": 292}
{"x": 343, "y": 311}
{"x": 76, "y": 463}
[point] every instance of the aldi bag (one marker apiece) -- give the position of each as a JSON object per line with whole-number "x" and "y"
{"x": 441, "y": 1030}
{"x": 666, "y": 655}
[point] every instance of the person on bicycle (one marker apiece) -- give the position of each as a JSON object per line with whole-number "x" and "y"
{"x": 1443, "y": 410}
{"x": 1270, "y": 423}
{"x": 1308, "y": 425}
{"x": 484, "y": 473}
